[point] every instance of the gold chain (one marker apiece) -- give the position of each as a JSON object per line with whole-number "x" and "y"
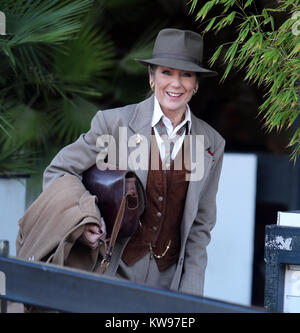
{"x": 163, "y": 254}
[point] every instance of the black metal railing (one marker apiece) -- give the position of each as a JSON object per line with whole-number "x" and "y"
{"x": 69, "y": 290}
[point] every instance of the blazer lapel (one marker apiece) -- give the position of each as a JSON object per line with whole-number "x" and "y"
{"x": 139, "y": 137}
{"x": 195, "y": 186}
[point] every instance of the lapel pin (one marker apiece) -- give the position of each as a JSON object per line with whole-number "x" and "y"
{"x": 138, "y": 139}
{"x": 210, "y": 152}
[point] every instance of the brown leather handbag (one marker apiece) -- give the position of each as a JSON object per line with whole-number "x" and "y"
{"x": 121, "y": 200}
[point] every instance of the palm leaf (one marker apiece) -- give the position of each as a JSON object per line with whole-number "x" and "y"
{"x": 16, "y": 160}
{"x": 83, "y": 62}
{"x": 29, "y": 127}
{"x": 53, "y": 21}
{"x": 71, "y": 118}
{"x": 36, "y": 27}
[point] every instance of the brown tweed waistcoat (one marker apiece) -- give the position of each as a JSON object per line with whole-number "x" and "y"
{"x": 166, "y": 194}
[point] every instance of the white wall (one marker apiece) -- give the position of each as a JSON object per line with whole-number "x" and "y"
{"x": 12, "y": 208}
{"x": 230, "y": 252}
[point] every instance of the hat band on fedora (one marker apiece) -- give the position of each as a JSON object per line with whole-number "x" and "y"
{"x": 176, "y": 57}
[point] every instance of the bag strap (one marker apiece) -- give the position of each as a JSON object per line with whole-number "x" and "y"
{"x": 117, "y": 225}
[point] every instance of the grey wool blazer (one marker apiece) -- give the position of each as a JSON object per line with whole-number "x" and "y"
{"x": 199, "y": 216}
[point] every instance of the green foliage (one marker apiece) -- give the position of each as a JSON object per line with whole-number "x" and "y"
{"x": 15, "y": 160}
{"x": 61, "y": 61}
{"x": 267, "y": 52}
{"x": 54, "y": 60}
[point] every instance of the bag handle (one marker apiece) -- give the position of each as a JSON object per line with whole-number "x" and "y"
{"x": 117, "y": 225}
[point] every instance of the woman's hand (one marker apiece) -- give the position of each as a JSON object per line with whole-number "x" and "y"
{"x": 93, "y": 234}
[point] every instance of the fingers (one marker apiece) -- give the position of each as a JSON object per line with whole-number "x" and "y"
{"x": 103, "y": 227}
{"x": 97, "y": 232}
{"x": 93, "y": 234}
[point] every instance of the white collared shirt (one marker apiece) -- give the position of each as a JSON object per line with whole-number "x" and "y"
{"x": 157, "y": 115}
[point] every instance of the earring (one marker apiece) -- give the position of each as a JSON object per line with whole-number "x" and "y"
{"x": 195, "y": 91}
{"x": 152, "y": 85}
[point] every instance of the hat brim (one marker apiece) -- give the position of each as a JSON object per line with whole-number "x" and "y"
{"x": 178, "y": 64}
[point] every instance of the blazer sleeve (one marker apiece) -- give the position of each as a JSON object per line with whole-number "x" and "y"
{"x": 195, "y": 261}
{"x": 78, "y": 156}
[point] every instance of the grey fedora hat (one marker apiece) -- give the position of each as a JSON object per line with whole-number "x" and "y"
{"x": 179, "y": 49}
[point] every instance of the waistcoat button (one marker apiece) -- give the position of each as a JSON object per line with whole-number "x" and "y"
{"x": 158, "y": 214}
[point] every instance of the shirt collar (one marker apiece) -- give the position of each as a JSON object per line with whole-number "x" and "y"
{"x": 157, "y": 114}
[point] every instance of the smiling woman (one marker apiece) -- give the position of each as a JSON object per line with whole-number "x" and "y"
{"x": 173, "y": 88}
{"x": 169, "y": 249}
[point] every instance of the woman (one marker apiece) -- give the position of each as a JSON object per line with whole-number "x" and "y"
{"x": 169, "y": 250}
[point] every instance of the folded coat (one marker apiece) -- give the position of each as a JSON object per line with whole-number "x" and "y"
{"x": 51, "y": 226}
